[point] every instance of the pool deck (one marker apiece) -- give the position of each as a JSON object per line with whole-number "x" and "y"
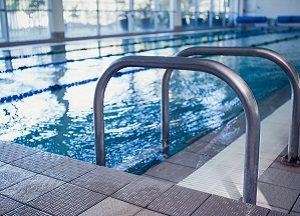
{"x": 200, "y": 151}
{"x": 38, "y": 183}
{"x": 214, "y": 163}
{"x": 33, "y": 182}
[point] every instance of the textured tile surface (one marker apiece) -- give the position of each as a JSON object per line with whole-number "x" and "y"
{"x": 178, "y": 201}
{"x": 112, "y": 207}
{"x": 281, "y": 178}
{"x": 10, "y": 175}
{"x": 11, "y": 151}
{"x": 7, "y": 204}
{"x": 189, "y": 159}
{"x": 273, "y": 208}
{"x": 170, "y": 172}
{"x": 69, "y": 170}
{"x": 67, "y": 200}
{"x": 276, "y": 213}
{"x": 142, "y": 191}
{"x": 39, "y": 162}
{"x": 222, "y": 175}
{"x": 296, "y": 207}
{"x": 269, "y": 194}
{"x": 105, "y": 181}
{"x": 146, "y": 212}
{"x": 276, "y": 164}
{"x": 216, "y": 205}
{"x": 31, "y": 188}
{"x": 26, "y": 211}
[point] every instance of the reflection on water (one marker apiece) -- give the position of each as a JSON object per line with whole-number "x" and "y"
{"x": 61, "y": 121}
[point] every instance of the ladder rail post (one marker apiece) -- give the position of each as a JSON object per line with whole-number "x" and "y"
{"x": 212, "y": 67}
{"x": 292, "y": 157}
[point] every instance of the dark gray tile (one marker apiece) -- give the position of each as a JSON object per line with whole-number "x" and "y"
{"x": 170, "y": 172}
{"x": 69, "y": 170}
{"x": 296, "y": 207}
{"x": 39, "y": 162}
{"x": 112, "y": 207}
{"x": 276, "y": 196}
{"x": 67, "y": 200}
{"x": 278, "y": 165}
{"x": 189, "y": 159}
{"x": 209, "y": 149}
{"x": 276, "y": 213}
{"x": 104, "y": 180}
{"x": 31, "y": 188}
{"x": 12, "y": 151}
{"x": 273, "y": 208}
{"x": 216, "y": 205}
{"x": 178, "y": 201}
{"x": 146, "y": 212}
{"x": 26, "y": 211}
{"x": 7, "y": 204}
{"x": 10, "y": 175}
{"x": 281, "y": 178}
{"x": 142, "y": 191}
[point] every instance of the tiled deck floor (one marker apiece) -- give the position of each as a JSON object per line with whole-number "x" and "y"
{"x": 279, "y": 186}
{"x": 37, "y": 183}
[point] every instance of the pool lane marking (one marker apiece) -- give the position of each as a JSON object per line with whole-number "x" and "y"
{"x": 121, "y": 45}
{"x": 57, "y": 87}
{"x": 124, "y": 53}
{"x": 11, "y": 98}
{"x": 267, "y": 31}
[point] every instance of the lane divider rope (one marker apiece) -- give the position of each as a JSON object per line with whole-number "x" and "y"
{"x": 144, "y": 42}
{"x": 56, "y": 87}
{"x": 21, "y": 68}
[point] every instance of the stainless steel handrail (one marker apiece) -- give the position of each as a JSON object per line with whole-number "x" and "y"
{"x": 292, "y": 157}
{"x": 212, "y": 67}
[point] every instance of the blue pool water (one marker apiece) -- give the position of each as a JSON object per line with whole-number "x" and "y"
{"x": 60, "y": 119}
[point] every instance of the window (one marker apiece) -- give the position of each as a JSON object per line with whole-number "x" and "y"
{"x": 188, "y": 13}
{"x": 144, "y": 15}
{"x": 27, "y": 19}
{"x": 80, "y": 18}
{"x": 113, "y": 16}
{"x": 163, "y": 14}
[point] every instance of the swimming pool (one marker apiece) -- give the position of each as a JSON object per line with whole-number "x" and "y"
{"x": 56, "y": 86}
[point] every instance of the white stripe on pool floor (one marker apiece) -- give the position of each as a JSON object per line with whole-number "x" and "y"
{"x": 223, "y": 174}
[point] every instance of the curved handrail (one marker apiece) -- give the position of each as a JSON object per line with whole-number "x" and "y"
{"x": 286, "y": 66}
{"x": 208, "y": 66}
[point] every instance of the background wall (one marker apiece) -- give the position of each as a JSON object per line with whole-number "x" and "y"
{"x": 274, "y": 8}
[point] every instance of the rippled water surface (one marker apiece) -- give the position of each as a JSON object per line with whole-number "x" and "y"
{"x": 60, "y": 120}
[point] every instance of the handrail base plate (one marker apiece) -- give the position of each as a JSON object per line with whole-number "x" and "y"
{"x": 294, "y": 162}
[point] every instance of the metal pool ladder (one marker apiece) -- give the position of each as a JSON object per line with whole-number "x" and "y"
{"x": 292, "y": 157}
{"x": 208, "y": 66}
